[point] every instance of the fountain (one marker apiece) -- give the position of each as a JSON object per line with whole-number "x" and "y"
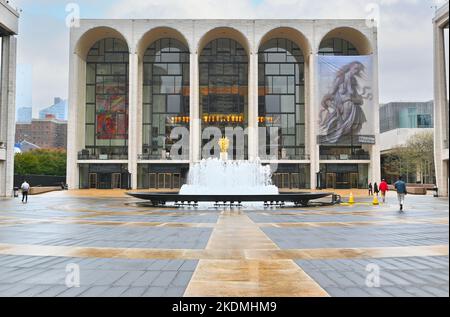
{"x": 223, "y": 181}
{"x": 222, "y": 177}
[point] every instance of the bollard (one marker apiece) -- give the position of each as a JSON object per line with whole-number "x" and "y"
{"x": 351, "y": 199}
{"x": 375, "y": 200}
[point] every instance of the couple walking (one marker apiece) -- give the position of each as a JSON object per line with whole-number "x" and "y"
{"x": 399, "y": 185}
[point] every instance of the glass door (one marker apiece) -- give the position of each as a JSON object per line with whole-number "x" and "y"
{"x": 93, "y": 180}
{"x": 116, "y": 181}
{"x": 342, "y": 180}
{"x": 330, "y": 180}
{"x": 354, "y": 180}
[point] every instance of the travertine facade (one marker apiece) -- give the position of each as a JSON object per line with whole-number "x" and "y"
{"x": 8, "y": 29}
{"x": 441, "y": 100}
{"x": 195, "y": 35}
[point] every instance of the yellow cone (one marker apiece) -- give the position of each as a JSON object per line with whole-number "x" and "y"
{"x": 351, "y": 199}
{"x": 375, "y": 200}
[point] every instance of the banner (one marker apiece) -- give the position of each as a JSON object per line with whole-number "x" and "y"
{"x": 345, "y": 100}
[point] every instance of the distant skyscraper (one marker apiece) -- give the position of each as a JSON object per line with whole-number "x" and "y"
{"x": 24, "y": 115}
{"x": 58, "y": 110}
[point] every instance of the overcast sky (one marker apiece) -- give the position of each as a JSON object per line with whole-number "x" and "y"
{"x": 405, "y": 35}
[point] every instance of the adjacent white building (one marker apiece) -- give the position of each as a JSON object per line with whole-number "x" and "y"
{"x": 305, "y": 93}
{"x": 9, "y": 23}
{"x": 441, "y": 24}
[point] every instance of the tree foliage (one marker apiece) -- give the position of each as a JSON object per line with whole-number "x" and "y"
{"x": 50, "y": 162}
{"x": 416, "y": 156}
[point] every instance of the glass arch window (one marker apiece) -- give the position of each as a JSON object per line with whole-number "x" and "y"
{"x": 165, "y": 96}
{"x": 337, "y": 47}
{"x": 223, "y": 66}
{"x": 281, "y": 96}
{"x": 107, "y": 100}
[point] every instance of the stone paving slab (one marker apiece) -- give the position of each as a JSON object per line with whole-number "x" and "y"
{"x": 98, "y": 277}
{"x": 398, "y": 277}
{"x": 359, "y": 237}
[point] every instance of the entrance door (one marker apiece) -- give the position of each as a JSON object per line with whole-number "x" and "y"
{"x": 354, "y": 180}
{"x": 104, "y": 181}
{"x": 167, "y": 181}
{"x": 331, "y": 180}
{"x": 152, "y": 181}
{"x": 343, "y": 181}
{"x": 93, "y": 180}
{"x": 116, "y": 180}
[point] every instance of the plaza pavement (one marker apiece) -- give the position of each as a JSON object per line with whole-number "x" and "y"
{"x": 125, "y": 248}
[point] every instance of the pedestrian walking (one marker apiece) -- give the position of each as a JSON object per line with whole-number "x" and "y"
{"x": 375, "y": 189}
{"x": 400, "y": 186}
{"x": 25, "y": 188}
{"x": 384, "y": 188}
{"x": 370, "y": 189}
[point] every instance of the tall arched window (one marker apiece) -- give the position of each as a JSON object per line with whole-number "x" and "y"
{"x": 107, "y": 100}
{"x": 223, "y": 67}
{"x": 282, "y": 98}
{"x": 165, "y": 95}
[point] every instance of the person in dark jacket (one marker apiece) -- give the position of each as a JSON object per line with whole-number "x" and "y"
{"x": 375, "y": 189}
{"x": 370, "y": 189}
{"x": 400, "y": 186}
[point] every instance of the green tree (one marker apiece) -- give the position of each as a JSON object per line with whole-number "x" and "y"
{"x": 41, "y": 162}
{"x": 415, "y": 157}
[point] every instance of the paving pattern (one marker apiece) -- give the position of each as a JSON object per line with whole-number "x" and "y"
{"x": 121, "y": 247}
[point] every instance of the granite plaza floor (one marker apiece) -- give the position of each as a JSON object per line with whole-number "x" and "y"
{"x": 126, "y": 249}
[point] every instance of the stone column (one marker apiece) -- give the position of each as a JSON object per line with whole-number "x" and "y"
{"x": 253, "y": 107}
{"x": 440, "y": 99}
{"x": 7, "y": 111}
{"x": 312, "y": 119}
{"x": 375, "y": 165}
{"x": 75, "y": 124}
{"x": 132, "y": 114}
{"x": 194, "y": 110}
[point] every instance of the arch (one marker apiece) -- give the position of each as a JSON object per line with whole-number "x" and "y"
{"x": 354, "y": 36}
{"x": 158, "y": 33}
{"x": 223, "y": 32}
{"x": 291, "y": 34}
{"x": 92, "y": 36}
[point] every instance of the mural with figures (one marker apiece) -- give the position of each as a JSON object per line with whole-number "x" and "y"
{"x": 346, "y": 100}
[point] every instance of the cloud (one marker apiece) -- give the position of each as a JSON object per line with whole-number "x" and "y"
{"x": 405, "y": 34}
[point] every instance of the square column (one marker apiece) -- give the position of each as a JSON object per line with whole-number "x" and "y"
{"x": 133, "y": 127}
{"x": 7, "y": 113}
{"x": 76, "y": 120}
{"x": 440, "y": 104}
{"x": 194, "y": 110}
{"x": 375, "y": 156}
{"x": 312, "y": 115}
{"x": 253, "y": 107}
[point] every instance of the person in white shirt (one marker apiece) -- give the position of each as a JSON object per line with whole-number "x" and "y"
{"x": 25, "y": 188}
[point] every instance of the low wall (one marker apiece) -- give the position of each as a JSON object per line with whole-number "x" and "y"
{"x": 42, "y": 190}
{"x": 39, "y": 180}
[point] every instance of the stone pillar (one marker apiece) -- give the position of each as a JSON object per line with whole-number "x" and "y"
{"x": 76, "y": 120}
{"x": 375, "y": 160}
{"x": 7, "y": 112}
{"x": 312, "y": 119}
{"x": 132, "y": 114}
{"x": 253, "y": 107}
{"x": 194, "y": 110}
{"x": 440, "y": 116}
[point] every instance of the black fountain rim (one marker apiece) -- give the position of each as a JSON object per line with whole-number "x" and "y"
{"x": 161, "y": 198}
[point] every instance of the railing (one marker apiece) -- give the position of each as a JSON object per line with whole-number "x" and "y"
{"x": 155, "y": 157}
{"x": 101, "y": 157}
{"x": 303, "y": 157}
{"x": 342, "y": 157}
